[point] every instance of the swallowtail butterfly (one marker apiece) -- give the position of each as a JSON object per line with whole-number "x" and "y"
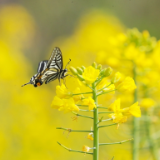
{"x": 49, "y": 70}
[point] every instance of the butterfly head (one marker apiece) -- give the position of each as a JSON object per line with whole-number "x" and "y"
{"x": 34, "y": 81}
{"x": 38, "y": 82}
{"x": 64, "y": 73}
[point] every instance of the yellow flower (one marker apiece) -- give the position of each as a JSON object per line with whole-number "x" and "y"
{"x": 69, "y": 105}
{"x": 109, "y": 88}
{"x": 90, "y": 136}
{"x": 103, "y": 84}
{"x": 63, "y": 92}
{"x": 90, "y": 102}
{"x": 134, "y": 110}
{"x": 57, "y": 102}
{"x": 116, "y": 77}
{"x": 118, "y": 117}
{"x": 64, "y": 104}
{"x": 115, "y": 106}
{"x": 85, "y": 148}
{"x": 147, "y": 103}
{"x": 77, "y": 98}
{"x": 90, "y": 74}
{"x": 127, "y": 85}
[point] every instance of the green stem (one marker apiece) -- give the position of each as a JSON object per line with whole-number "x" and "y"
{"x": 103, "y": 107}
{"x": 96, "y": 130}
{"x": 102, "y": 144}
{"x": 104, "y": 87}
{"x": 135, "y": 147}
{"x": 152, "y": 144}
{"x": 82, "y": 93}
{"x": 70, "y": 130}
{"x": 108, "y": 125}
{"x": 73, "y": 150}
{"x": 86, "y": 110}
{"x": 89, "y": 86}
{"x": 104, "y": 120}
{"x": 106, "y": 92}
{"x": 97, "y": 83}
{"x": 82, "y": 105}
{"x": 82, "y": 115}
{"x": 104, "y": 112}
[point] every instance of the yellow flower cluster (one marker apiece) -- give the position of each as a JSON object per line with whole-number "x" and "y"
{"x": 66, "y": 101}
{"x": 63, "y": 100}
{"x": 120, "y": 115}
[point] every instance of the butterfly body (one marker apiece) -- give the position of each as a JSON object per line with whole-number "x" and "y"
{"x": 49, "y": 70}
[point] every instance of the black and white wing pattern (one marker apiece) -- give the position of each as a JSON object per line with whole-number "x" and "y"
{"x": 56, "y": 60}
{"x": 54, "y": 66}
{"x": 42, "y": 66}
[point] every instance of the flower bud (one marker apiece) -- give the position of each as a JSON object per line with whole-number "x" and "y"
{"x": 99, "y": 67}
{"x": 108, "y": 72}
{"x": 116, "y": 77}
{"x": 83, "y": 68}
{"x": 94, "y": 65}
{"x": 73, "y": 70}
{"x": 80, "y": 77}
{"x": 79, "y": 70}
{"x": 102, "y": 72}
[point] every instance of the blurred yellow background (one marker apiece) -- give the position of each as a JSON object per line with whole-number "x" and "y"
{"x": 85, "y": 32}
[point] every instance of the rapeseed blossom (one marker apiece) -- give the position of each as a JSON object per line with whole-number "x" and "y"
{"x": 63, "y": 92}
{"x": 132, "y": 53}
{"x": 90, "y": 74}
{"x": 89, "y": 102}
{"x": 65, "y": 105}
{"x": 127, "y": 85}
{"x": 120, "y": 115}
{"x": 99, "y": 83}
{"x": 117, "y": 77}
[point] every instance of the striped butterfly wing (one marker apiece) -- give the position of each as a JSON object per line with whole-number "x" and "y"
{"x": 42, "y": 66}
{"x": 56, "y": 60}
{"x": 54, "y": 66}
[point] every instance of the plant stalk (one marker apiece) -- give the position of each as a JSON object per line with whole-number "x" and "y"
{"x": 152, "y": 144}
{"x": 71, "y": 150}
{"x": 95, "y": 124}
{"x": 70, "y": 130}
{"x": 102, "y": 144}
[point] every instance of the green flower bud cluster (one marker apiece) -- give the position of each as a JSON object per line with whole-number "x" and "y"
{"x": 92, "y": 73}
{"x": 142, "y": 40}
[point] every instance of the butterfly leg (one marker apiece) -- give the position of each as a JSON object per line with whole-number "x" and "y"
{"x": 59, "y": 81}
{"x": 64, "y": 80}
{"x": 70, "y": 75}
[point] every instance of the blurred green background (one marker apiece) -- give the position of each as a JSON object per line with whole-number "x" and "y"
{"x": 29, "y": 30}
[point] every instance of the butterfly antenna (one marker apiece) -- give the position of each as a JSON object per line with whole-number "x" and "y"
{"x": 71, "y": 75}
{"x": 67, "y": 63}
{"x": 26, "y": 84}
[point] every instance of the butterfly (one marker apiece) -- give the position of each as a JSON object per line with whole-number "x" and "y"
{"x": 50, "y": 70}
